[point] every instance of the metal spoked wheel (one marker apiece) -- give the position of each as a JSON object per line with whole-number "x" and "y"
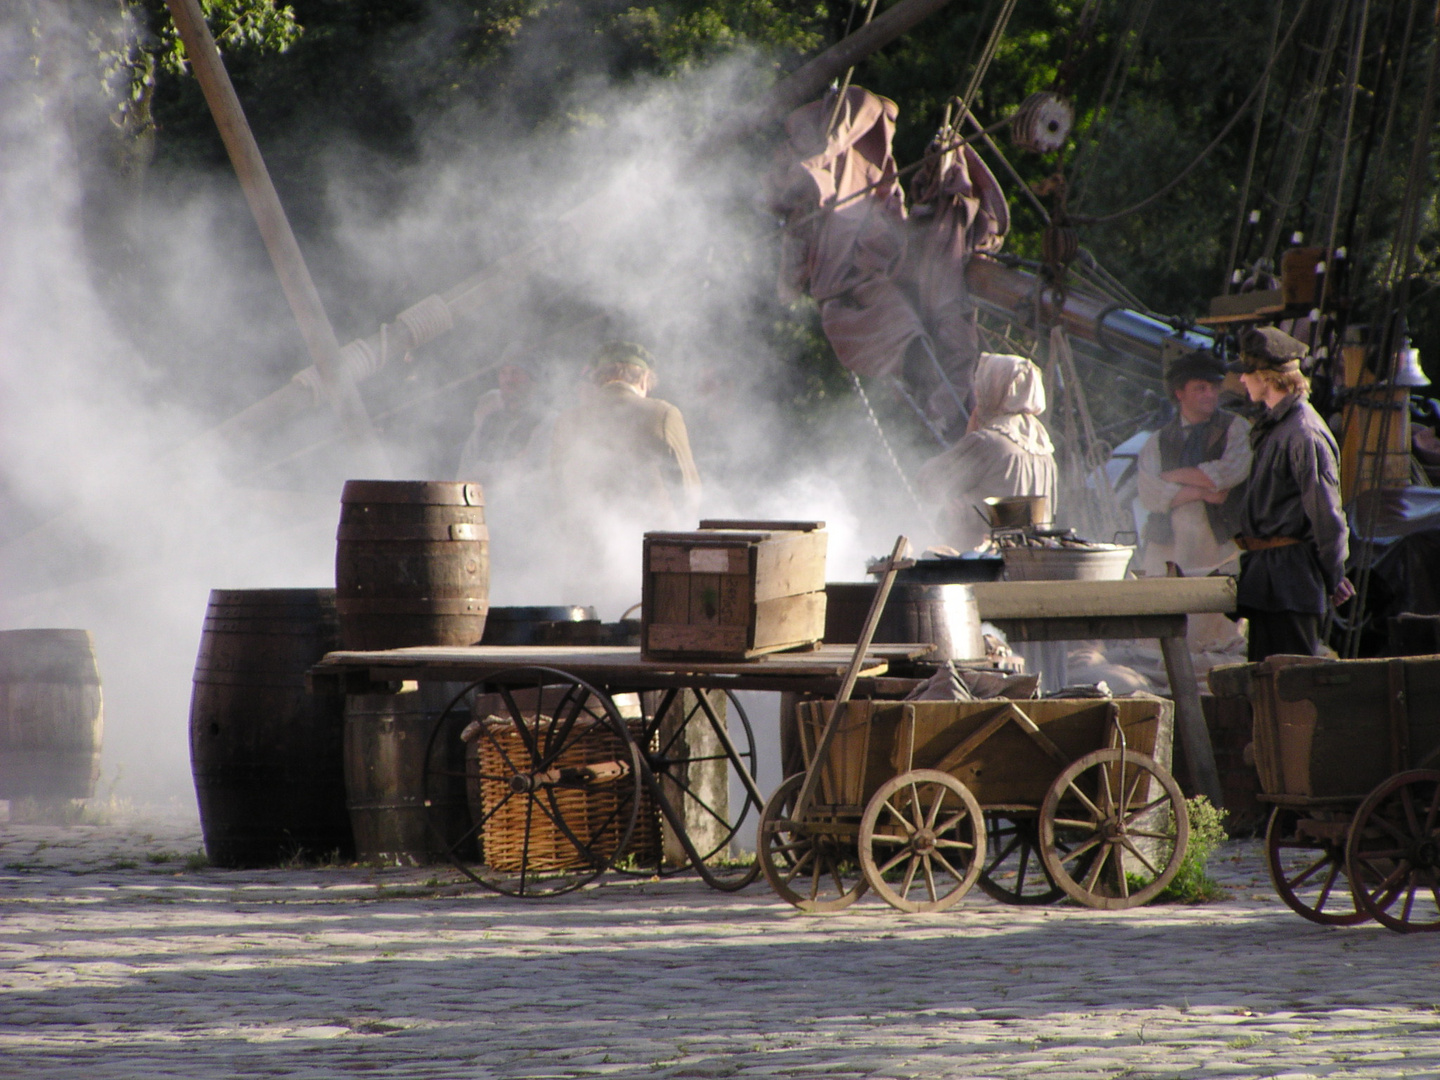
{"x": 1393, "y": 852}
{"x": 1014, "y": 872}
{"x": 922, "y": 841}
{"x": 552, "y": 779}
{"x": 1113, "y": 829}
{"x": 691, "y": 742}
{"x": 816, "y": 870}
{"x": 1305, "y": 854}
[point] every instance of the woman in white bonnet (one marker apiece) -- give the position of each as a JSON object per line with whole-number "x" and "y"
{"x": 1005, "y": 451}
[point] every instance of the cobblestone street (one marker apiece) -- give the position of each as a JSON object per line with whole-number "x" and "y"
{"x": 121, "y": 957}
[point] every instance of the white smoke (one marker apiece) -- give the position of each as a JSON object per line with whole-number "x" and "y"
{"x": 111, "y": 529}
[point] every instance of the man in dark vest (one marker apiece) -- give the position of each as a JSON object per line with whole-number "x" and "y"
{"x": 1292, "y": 528}
{"x": 1192, "y": 474}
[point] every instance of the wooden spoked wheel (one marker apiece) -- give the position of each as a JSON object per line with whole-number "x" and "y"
{"x": 816, "y": 870}
{"x": 922, "y": 841}
{"x": 1113, "y": 829}
{"x": 683, "y": 735}
{"x": 1305, "y": 854}
{"x": 1014, "y": 872}
{"x": 554, "y": 783}
{"x": 1393, "y": 852}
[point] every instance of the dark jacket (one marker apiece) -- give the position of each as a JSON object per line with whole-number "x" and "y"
{"x": 1294, "y": 491}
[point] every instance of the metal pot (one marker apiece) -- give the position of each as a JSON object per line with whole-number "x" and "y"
{"x": 946, "y": 616}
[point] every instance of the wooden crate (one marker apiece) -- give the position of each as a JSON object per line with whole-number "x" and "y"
{"x": 733, "y": 590}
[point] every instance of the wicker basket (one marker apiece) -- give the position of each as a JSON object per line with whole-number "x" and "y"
{"x": 504, "y": 835}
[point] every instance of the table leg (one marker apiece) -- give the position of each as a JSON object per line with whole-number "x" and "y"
{"x": 1190, "y": 718}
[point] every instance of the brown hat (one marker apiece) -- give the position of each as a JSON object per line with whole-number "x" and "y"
{"x": 1201, "y": 364}
{"x": 1266, "y": 348}
{"x": 623, "y": 352}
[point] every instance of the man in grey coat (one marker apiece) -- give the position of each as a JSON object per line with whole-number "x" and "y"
{"x": 1293, "y": 531}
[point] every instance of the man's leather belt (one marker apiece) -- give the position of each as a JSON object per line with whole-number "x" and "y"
{"x": 1264, "y": 543}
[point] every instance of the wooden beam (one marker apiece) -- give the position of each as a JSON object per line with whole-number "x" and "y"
{"x": 285, "y": 254}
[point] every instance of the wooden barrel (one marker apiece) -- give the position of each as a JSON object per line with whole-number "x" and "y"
{"x": 412, "y": 564}
{"x": 265, "y": 752}
{"x": 386, "y": 736}
{"x": 50, "y": 715}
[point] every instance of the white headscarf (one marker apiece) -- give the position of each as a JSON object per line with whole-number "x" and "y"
{"x": 1009, "y": 398}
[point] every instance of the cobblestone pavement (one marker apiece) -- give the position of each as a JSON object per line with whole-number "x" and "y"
{"x": 118, "y": 958}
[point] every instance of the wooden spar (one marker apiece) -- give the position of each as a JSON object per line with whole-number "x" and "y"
{"x": 285, "y": 254}
{"x": 509, "y": 273}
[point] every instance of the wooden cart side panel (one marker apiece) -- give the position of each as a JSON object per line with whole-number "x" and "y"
{"x": 1422, "y": 695}
{"x": 1333, "y": 727}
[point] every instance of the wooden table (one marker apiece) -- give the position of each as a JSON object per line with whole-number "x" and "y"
{"x": 619, "y": 668}
{"x": 1144, "y": 608}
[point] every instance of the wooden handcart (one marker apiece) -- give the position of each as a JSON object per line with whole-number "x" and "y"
{"x": 1347, "y": 753}
{"x": 1036, "y": 800}
{"x": 553, "y": 765}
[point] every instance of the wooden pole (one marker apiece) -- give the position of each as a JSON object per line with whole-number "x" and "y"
{"x": 274, "y": 227}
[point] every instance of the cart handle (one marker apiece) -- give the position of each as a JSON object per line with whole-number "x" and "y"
{"x": 847, "y": 687}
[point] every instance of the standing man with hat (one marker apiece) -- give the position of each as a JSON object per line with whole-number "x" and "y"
{"x": 622, "y": 465}
{"x": 1192, "y": 474}
{"x": 1292, "y": 528}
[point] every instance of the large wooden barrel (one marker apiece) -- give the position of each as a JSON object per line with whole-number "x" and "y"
{"x": 50, "y": 715}
{"x": 412, "y": 564}
{"x": 386, "y": 736}
{"x": 265, "y": 752}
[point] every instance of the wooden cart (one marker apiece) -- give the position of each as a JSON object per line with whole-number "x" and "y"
{"x": 1035, "y": 800}
{"x": 555, "y": 764}
{"x": 1346, "y": 752}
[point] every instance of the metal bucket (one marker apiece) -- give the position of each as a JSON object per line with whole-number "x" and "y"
{"x": 946, "y": 616}
{"x": 264, "y": 751}
{"x": 1017, "y": 511}
{"x": 50, "y": 715}
{"x": 412, "y": 564}
{"x": 1107, "y": 563}
{"x": 557, "y": 625}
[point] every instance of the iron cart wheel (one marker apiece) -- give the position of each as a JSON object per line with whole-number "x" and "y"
{"x": 553, "y": 780}
{"x": 922, "y": 841}
{"x": 1305, "y": 854}
{"x": 1393, "y": 852}
{"x": 1014, "y": 871}
{"x": 681, "y": 735}
{"x": 1103, "y": 820}
{"x": 815, "y": 870}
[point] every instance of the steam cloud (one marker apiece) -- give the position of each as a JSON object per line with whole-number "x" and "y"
{"x": 106, "y": 526}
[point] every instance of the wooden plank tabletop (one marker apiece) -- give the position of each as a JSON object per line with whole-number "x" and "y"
{"x": 602, "y": 662}
{"x": 1100, "y": 599}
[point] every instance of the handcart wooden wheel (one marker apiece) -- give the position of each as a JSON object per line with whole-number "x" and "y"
{"x": 1014, "y": 872}
{"x": 1305, "y": 855}
{"x": 1392, "y": 853}
{"x": 554, "y": 779}
{"x": 1106, "y": 803}
{"x": 922, "y": 841}
{"x": 680, "y": 734}
{"x": 810, "y": 864}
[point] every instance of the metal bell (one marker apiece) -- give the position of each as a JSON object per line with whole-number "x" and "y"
{"x": 1408, "y": 371}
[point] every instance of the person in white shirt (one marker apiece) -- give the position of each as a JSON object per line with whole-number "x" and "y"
{"x": 1192, "y": 474}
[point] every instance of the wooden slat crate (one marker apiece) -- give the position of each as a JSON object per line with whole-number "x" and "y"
{"x": 729, "y": 592}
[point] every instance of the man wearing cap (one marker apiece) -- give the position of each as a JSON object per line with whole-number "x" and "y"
{"x": 621, "y": 463}
{"x": 1292, "y": 530}
{"x": 1192, "y": 474}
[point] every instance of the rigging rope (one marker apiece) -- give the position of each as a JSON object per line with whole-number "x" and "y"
{"x": 1104, "y": 219}
{"x": 1240, "y": 212}
{"x": 889, "y": 450}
